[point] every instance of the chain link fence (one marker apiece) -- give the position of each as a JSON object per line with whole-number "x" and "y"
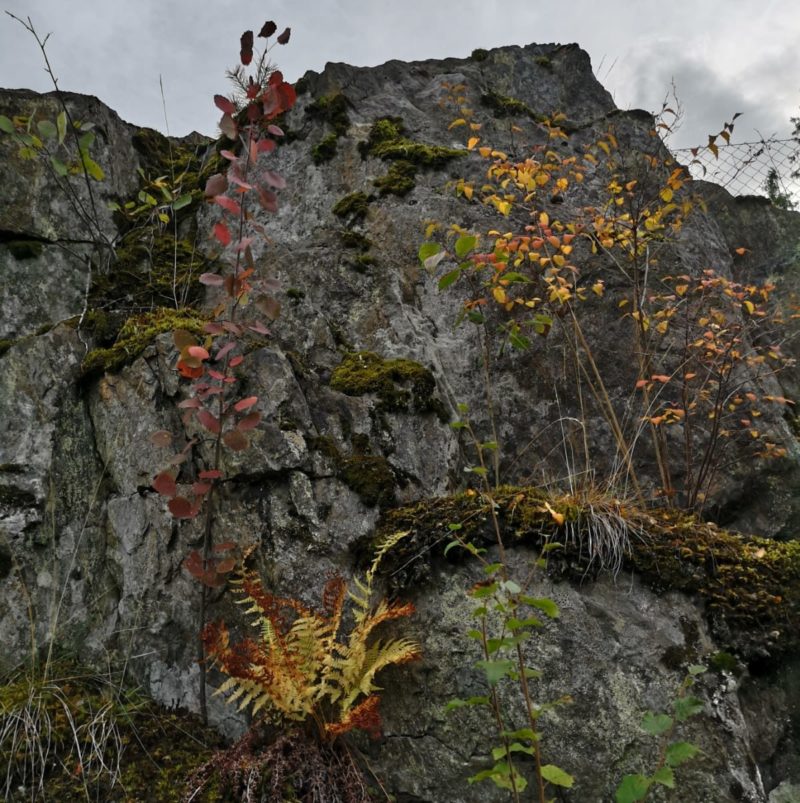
{"x": 769, "y": 167}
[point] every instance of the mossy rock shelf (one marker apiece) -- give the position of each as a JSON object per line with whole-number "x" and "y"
{"x": 750, "y": 585}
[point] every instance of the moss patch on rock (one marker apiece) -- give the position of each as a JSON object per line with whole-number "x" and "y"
{"x": 353, "y": 206}
{"x": 400, "y": 179}
{"x": 505, "y": 106}
{"x": 750, "y": 586}
{"x": 399, "y": 384}
{"x": 137, "y": 333}
{"x": 387, "y": 141}
{"x": 332, "y": 110}
{"x": 325, "y": 149}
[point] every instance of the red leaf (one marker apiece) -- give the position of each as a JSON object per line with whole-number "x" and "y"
{"x": 215, "y": 185}
{"x": 198, "y": 352}
{"x": 212, "y": 280}
{"x": 226, "y": 349}
{"x": 249, "y": 422}
{"x": 162, "y": 438}
{"x": 252, "y": 89}
{"x": 226, "y": 565}
{"x": 246, "y": 43}
{"x": 270, "y": 306}
{"x": 234, "y": 361}
{"x": 276, "y": 78}
{"x": 253, "y": 112}
{"x": 284, "y": 37}
{"x": 225, "y": 546}
{"x": 177, "y": 459}
{"x": 213, "y": 328}
{"x": 259, "y": 328}
{"x": 228, "y": 126}
{"x": 210, "y": 422}
{"x": 229, "y": 155}
{"x": 221, "y": 233}
{"x": 228, "y": 203}
{"x": 189, "y": 371}
{"x": 232, "y": 327}
{"x": 274, "y": 180}
{"x": 275, "y": 130}
{"x": 200, "y": 488}
{"x": 266, "y": 145}
{"x": 224, "y": 105}
{"x": 245, "y": 404}
{"x": 211, "y": 474}
{"x": 193, "y": 563}
{"x": 268, "y": 200}
{"x": 181, "y": 508}
{"x": 190, "y": 404}
{"x": 267, "y": 29}
{"x": 288, "y": 96}
{"x": 235, "y": 441}
{"x": 164, "y": 484}
{"x": 239, "y": 181}
{"x": 216, "y": 374}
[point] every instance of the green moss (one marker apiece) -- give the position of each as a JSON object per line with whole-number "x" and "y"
{"x": 504, "y": 106}
{"x": 725, "y": 662}
{"x": 354, "y": 239}
{"x": 362, "y": 262}
{"x": 24, "y": 249}
{"x": 324, "y": 150}
{"x": 544, "y": 61}
{"x": 399, "y": 384}
{"x": 400, "y": 179}
{"x": 354, "y": 206}
{"x": 331, "y": 109}
{"x": 295, "y": 295}
{"x": 371, "y": 477}
{"x": 750, "y": 586}
{"x": 479, "y": 54}
{"x": 386, "y": 141}
{"x": 136, "y": 334}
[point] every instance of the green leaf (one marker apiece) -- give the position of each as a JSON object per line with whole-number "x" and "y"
{"x": 496, "y": 670}
{"x": 465, "y": 244}
{"x": 452, "y": 705}
{"x": 475, "y": 634}
{"x": 480, "y": 592}
{"x": 491, "y": 568}
{"x": 46, "y": 129}
{"x": 428, "y": 250}
{"x": 6, "y": 125}
{"x": 451, "y": 545}
{"x": 656, "y": 724}
{"x": 475, "y": 317}
{"x": 60, "y": 167}
{"x": 551, "y": 546}
{"x": 61, "y": 126}
{"x": 449, "y": 278}
{"x": 543, "y": 604}
{"x": 515, "y": 277}
{"x": 86, "y": 141}
{"x": 454, "y": 527}
{"x": 511, "y": 587}
{"x": 93, "y": 169}
{"x": 517, "y": 624}
{"x": 555, "y": 775}
{"x": 686, "y": 707}
{"x": 515, "y": 747}
{"x": 632, "y": 789}
{"x": 665, "y": 776}
{"x": 522, "y": 733}
{"x": 518, "y": 340}
{"x": 501, "y": 774}
{"x": 479, "y": 470}
{"x": 697, "y": 669}
{"x": 183, "y": 200}
{"x": 680, "y": 752}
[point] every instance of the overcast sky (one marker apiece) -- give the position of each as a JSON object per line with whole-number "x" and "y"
{"x": 724, "y": 57}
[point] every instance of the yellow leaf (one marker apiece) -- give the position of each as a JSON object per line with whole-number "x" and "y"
{"x": 666, "y": 195}
{"x": 499, "y": 295}
{"x": 472, "y": 142}
{"x": 749, "y": 306}
{"x": 456, "y": 123}
{"x": 742, "y": 251}
{"x": 544, "y": 220}
{"x": 558, "y": 518}
{"x": 598, "y": 288}
{"x": 681, "y": 289}
{"x": 485, "y": 151}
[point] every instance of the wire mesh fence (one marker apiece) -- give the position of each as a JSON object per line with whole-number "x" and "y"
{"x": 768, "y": 167}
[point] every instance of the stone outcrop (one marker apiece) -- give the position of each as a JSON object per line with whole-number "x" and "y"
{"x": 358, "y": 385}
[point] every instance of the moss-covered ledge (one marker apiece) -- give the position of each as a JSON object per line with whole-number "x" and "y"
{"x": 750, "y": 586}
{"x": 399, "y": 384}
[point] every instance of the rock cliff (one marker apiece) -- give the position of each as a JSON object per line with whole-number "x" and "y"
{"x": 358, "y": 384}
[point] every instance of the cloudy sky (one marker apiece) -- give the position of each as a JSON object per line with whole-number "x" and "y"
{"x": 724, "y": 57}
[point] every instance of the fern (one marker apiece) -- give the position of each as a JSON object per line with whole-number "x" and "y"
{"x": 303, "y": 667}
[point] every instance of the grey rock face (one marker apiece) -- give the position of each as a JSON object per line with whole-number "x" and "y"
{"x": 85, "y": 536}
